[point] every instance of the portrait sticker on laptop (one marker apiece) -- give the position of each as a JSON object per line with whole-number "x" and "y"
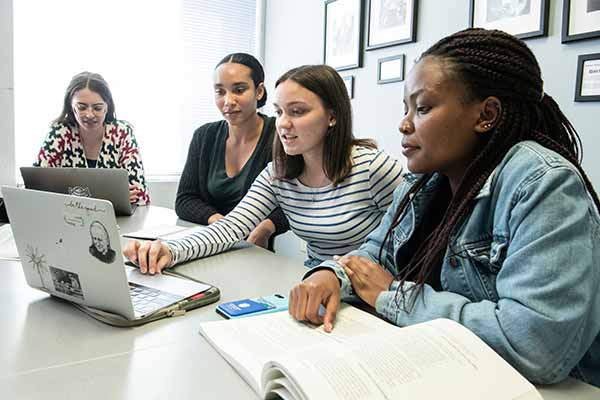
{"x": 100, "y": 247}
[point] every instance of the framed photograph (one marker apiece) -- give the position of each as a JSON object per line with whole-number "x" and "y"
{"x": 390, "y": 69}
{"x": 391, "y": 22}
{"x": 349, "y": 82}
{"x": 587, "y": 86}
{"x": 521, "y": 18}
{"x": 580, "y": 20}
{"x": 343, "y": 27}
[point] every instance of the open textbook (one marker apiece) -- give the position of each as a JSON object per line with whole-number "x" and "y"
{"x": 364, "y": 358}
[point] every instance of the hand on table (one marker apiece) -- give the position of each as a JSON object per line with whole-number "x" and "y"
{"x": 151, "y": 256}
{"x": 262, "y": 233}
{"x": 214, "y": 218}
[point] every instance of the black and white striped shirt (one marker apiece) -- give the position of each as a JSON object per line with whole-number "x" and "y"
{"x": 333, "y": 220}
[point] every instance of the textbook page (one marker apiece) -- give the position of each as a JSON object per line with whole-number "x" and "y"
{"x": 249, "y": 343}
{"x": 8, "y": 247}
{"x": 365, "y": 358}
{"x": 437, "y": 359}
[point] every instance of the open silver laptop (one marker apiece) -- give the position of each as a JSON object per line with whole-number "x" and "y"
{"x": 70, "y": 247}
{"x": 101, "y": 183}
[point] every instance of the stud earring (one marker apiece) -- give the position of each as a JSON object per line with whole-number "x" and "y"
{"x": 487, "y": 126}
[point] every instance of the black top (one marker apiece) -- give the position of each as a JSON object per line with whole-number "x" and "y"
{"x": 228, "y": 191}
{"x": 204, "y": 188}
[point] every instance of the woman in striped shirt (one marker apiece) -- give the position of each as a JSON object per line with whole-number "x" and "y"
{"x": 333, "y": 188}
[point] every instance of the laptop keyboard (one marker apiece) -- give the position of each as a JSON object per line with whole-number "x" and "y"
{"x": 146, "y": 299}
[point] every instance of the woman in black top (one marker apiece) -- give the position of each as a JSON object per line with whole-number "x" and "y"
{"x": 226, "y": 156}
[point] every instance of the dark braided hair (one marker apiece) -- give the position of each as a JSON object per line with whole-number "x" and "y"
{"x": 257, "y": 72}
{"x": 488, "y": 63}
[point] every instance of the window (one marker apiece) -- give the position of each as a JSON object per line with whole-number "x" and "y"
{"x": 157, "y": 57}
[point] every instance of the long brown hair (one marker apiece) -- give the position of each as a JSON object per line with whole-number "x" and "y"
{"x": 327, "y": 84}
{"x": 488, "y": 63}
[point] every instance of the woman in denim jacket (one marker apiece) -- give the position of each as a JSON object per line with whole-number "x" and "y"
{"x": 499, "y": 227}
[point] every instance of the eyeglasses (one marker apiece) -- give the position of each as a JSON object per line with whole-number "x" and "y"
{"x": 97, "y": 109}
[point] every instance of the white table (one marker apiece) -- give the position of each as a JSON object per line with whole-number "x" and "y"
{"x": 50, "y": 350}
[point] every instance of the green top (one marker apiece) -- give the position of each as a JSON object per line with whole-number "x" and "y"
{"x": 228, "y": 191}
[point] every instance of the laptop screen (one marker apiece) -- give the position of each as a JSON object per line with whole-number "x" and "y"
{"x": 110, "y": 184}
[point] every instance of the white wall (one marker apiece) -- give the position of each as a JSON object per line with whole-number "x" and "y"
{"x": 7, "y": 136}
{"x": 163, "y": 193}
{"x": 294, "y": 36}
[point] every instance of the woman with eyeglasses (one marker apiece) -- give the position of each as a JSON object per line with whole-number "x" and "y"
{"x": 226, "y": 156}
{"x": 87, "y": 134}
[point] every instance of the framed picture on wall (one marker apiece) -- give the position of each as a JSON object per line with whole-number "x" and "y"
{"x": 349, "y": 82}
{"x": 390, "y": 69}
{"x": 521, "y": 18}
{"x": 580, "y": 20}
{"x": 391, "y": 22}
{"x": 587, "y": 86}
{"x": 343, "y": 27}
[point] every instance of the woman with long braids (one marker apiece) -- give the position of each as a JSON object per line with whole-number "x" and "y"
{"x": 498, "y": 225}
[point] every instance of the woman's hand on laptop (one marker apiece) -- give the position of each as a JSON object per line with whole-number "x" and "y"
{"x": 151, "y": 256}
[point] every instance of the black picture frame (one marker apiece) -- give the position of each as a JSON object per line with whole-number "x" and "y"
{"x": 579, "y": 82}
{"x": 391, "y": 34}
{"x": 349, "y": 82}
{"x": 398, "y": 77}
{"x": 509, "y": 22}
{"x": 343, "y": 27}
{"x": 567, "y": 35}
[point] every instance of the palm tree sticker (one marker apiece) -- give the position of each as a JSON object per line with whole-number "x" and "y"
{"x": 38, "y": 261}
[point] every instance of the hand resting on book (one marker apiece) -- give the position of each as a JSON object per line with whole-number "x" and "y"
{"x": 368, "y": 279}
{"x": 322, "y": 287}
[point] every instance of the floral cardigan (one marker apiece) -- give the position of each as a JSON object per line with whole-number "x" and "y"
{"x": 63, "y": 148}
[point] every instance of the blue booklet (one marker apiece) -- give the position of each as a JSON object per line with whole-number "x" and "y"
{"x": 249, "y": 307}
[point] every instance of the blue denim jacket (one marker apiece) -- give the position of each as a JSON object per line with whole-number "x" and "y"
{"x": 523, "y": 271}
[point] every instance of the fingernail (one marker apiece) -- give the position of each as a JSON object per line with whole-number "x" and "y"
{"x": 328, "y": 327}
